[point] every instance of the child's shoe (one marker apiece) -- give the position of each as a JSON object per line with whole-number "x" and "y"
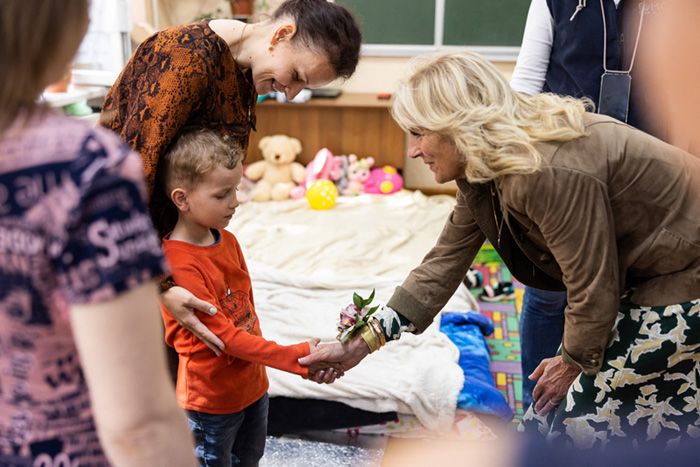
{"x": 501, "y": 291}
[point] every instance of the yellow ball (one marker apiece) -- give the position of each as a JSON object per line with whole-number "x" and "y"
{"x": 322, "y": 194}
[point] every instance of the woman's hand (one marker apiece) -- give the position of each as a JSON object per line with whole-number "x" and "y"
{"x": 181, "y": 305}
{"x": 553, "y": 376}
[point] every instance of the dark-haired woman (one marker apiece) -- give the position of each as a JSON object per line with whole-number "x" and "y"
{"x": 208, "y": 75}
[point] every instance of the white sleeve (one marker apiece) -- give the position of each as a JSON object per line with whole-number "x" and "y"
{"x": 533, "y": 59}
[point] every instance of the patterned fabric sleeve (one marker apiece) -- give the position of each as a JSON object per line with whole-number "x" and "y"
{"x": 167, "y": 93}
{"x": 109, "y": 245}
{"x": 393, "y": 323}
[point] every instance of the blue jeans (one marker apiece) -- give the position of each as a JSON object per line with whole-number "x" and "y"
{"x": 235, "y": 439}
{"x": 541, "y": 331}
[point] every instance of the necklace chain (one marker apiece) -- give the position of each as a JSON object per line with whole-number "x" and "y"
{"x": 499, "y": 225}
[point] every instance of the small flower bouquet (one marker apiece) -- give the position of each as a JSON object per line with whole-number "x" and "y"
{"x": 354, "y": 316}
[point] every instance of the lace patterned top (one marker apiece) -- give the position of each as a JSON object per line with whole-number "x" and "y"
{"x": 181, "y": 77}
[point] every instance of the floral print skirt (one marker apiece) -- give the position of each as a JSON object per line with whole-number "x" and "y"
{"x": 647, "y": 391}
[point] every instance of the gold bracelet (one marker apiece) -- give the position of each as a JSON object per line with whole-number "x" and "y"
{"x": 377, "y": 328}
{"x": 370, "y": 338}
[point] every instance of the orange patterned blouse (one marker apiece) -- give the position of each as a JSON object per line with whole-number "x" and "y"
{"x": 181, "y": 77}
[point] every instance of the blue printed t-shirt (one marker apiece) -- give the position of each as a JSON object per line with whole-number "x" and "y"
{"x": 73, "y": 230}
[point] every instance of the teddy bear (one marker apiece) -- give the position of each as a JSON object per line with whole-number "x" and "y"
{"x": 277, "y": 173}
{"x": 358, "y": 173}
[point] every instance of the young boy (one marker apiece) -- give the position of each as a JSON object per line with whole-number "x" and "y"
{"x": 225, "y": 397}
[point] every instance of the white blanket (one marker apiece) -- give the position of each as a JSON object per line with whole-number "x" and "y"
{"x": 305, "y": 266}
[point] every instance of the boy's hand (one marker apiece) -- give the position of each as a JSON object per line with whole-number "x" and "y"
{"x": 323, "y": 373}
{"x": 326, "y": 375}
{"x": 180, "y": 303}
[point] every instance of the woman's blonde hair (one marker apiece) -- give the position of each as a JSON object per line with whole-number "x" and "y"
{"x": 33, "y": 33}
{"x": 464, "y": 97}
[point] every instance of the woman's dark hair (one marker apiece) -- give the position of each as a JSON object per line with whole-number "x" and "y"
{"x": 329, "y": 27}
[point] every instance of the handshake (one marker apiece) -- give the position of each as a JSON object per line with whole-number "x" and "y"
{"x": 328, "y": 362}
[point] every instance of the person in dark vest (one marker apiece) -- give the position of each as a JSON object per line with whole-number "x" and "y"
{"x": 567, "y": 46}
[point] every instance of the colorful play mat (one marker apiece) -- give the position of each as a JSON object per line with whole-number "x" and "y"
{"x": 504, "y": 343}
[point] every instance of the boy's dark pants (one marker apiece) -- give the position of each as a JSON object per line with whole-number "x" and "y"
{"x": 235, "y": 439}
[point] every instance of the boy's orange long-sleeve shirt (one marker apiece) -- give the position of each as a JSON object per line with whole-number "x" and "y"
{"x": 231, "y": 382}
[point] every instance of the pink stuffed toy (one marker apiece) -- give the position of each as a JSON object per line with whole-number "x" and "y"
{"x": 383, "y": 181}
{"x": 324, "y": 166}
{"x": 358, "y": 173}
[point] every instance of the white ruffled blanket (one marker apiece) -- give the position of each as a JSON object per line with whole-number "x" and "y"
{"x": 306, "y": 264}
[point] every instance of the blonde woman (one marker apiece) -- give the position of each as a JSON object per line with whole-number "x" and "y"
{"x": 571, "y": 201}
{"x": 80, "y": 384}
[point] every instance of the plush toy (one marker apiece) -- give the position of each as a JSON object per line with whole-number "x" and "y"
{"x": 383, "y": 181}
{"x": 245, "y": 189}
{"x": 342, "y": 163}
{"x": 358, "y": 173}
{"x": 324, "y": 166}
{"x": 277, "y": 173}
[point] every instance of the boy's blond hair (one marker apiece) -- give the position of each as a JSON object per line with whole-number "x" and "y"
{"x": 196, "y": 153}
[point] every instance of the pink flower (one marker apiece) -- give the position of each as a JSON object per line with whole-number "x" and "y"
{"x": 364, "y": 311}
{"x": 348, "y": 316}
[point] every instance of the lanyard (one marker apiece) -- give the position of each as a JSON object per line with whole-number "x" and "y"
{"x": 605, "y": 40}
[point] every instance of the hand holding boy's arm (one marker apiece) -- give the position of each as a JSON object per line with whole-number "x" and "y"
{"x": 237, "y": 341}
{"x": 181, "y": 304}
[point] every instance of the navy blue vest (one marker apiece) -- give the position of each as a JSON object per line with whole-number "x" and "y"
{"x": 576, "y": 60}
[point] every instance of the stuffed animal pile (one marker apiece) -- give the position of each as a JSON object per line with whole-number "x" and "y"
{"x": 279, "y": 177}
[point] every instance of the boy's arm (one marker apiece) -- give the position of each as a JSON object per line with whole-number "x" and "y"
{"x": 238, "y": 342}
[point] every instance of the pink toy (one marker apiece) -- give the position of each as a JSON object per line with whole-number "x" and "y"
{"x": 358, "y": 173}
{"x": 324, "y": 166}
{"x": 383, "y": 181}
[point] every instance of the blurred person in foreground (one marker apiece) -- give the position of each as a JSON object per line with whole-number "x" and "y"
{"x": 666, "y": 89}
{"x": 79, "y": 261}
